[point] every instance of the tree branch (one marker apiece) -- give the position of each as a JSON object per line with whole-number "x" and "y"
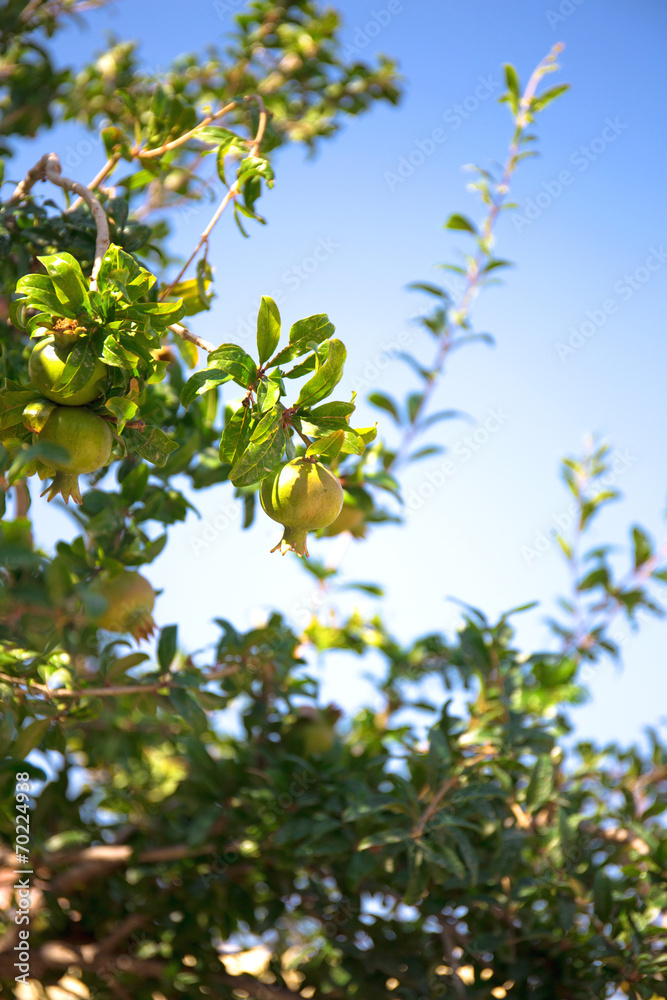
{"x": 203, "y": 239}
{"x": 458, "y": 316}
{"x": 261, "y": 991}
{"x": 185, "y": 334}
{"x": 48, "y": 169}
{"x": 444, "y": 790}
{"x": 145, "y": 154}
{"x": 97, "y": 179}
{"x": 231, "y": 194}
{"x": 94, "y": 692}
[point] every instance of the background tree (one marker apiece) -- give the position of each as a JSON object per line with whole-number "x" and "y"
{"x": 314, "y": 855}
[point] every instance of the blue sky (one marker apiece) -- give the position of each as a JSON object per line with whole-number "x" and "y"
{"x": 590, "y": 247}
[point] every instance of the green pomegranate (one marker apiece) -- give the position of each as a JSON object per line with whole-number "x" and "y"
{"x": 46, "y": 365}
{"x": 351, "y": 518}
{"x": 313, "y": 733}
{"x": 130, "y": 599}
{"x": 303, "y": 495}
{"x": 88, "y": 440}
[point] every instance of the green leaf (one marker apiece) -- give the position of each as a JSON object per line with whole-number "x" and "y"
{"x": 186, "y": 706}
{"x": 365, "y": 588}
{"x": 602, "y": 896}
{"x": 382, "y": 838}
{"x": 117, "y": 260}
{"x": 151, "y": 443}
{"x": 30, "y": 737}
{"x": 263, "y": 453}
{"x": 513, "y": 87}
{"x": 327, "y": 447}
{"x": 166, "y": 647}
{"x": 268, "y": 328}
{"x": 426, "y": 286}
{"x": 326, "y": 378}
{"x": 353, "y": 442}
{"x": 236, "y": 435}
{"x": 40, "y": 294}
{"x": 217, "y": 134}
{"x": 305, "y": 335}
{"x": 311, "y": 331}
{"x": 541, "y": 782}
{"x": 36, "y": 414}
{"x": 123, "y": 410}
{"x": 69, "y": 283}
{"x": 42, "y": 451}
{"x": 12, "y": 405}
{"x": 548, "y": 96}
{"x": 367, "y": 434}
{"x": 384, "y": 402}
{"x": 457, "y": 221}
{"x": 79, "y": 366}
{"x": 305, "y": 367}
{"x": 334, "y": 408}
{"x": 190, "y": 293}
{"x": 447, "y": 859}
{"x": 643, "y": 550}
{"x": 443, "y": 415}
{"x": 202, "y": 382}
{"x": 116, "y": 356}
{"x": 236, "y": 362}
{"x": 269, "y": 391}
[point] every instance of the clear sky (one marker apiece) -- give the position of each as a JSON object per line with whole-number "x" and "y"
{"x": 592, "y": 212}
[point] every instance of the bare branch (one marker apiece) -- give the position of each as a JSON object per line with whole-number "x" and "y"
{"x": 54, "y": 174}
{"x": 231, "y": 194}
{"x": 185, "y": 334}
{"x": 94, "y": 692}
{"x": 97, "y": 179}
{"x": 48, "y": 168}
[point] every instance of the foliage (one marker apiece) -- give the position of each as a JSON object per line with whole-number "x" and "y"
{"x": 447, "y": 844}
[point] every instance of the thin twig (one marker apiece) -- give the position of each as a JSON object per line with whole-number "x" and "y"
{"x": 98, "y": 692}
{"x": 97, "y": 179}
{"x": 304, "y": 437}
{"x": 444, "y": 790}
{"x": 475, "y": 273}
{"x": 151, "y": 153}
{"x": 137, "y": 425}
{"x": 54, "y": 174}
{"x": 434, "y": 805}
{"x": 146, "y": 154}
{"x": 192, "y": 338}
{"x": 24, "y": 187}
{"x": 22, "y": 499}
{"x": 115, "y": 691}
{"x": 231, "y": 194}
{"x": 30, "y": 9}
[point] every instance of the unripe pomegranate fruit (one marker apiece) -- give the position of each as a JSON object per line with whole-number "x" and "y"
{"x": 130, "y": 599}
{"x": 351, "y": 518}
{"x": 45, "y": 367}
{"x": 303, "y": 495}
{"x": 313, "y": 733}
{"x": 88, "y": 440}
